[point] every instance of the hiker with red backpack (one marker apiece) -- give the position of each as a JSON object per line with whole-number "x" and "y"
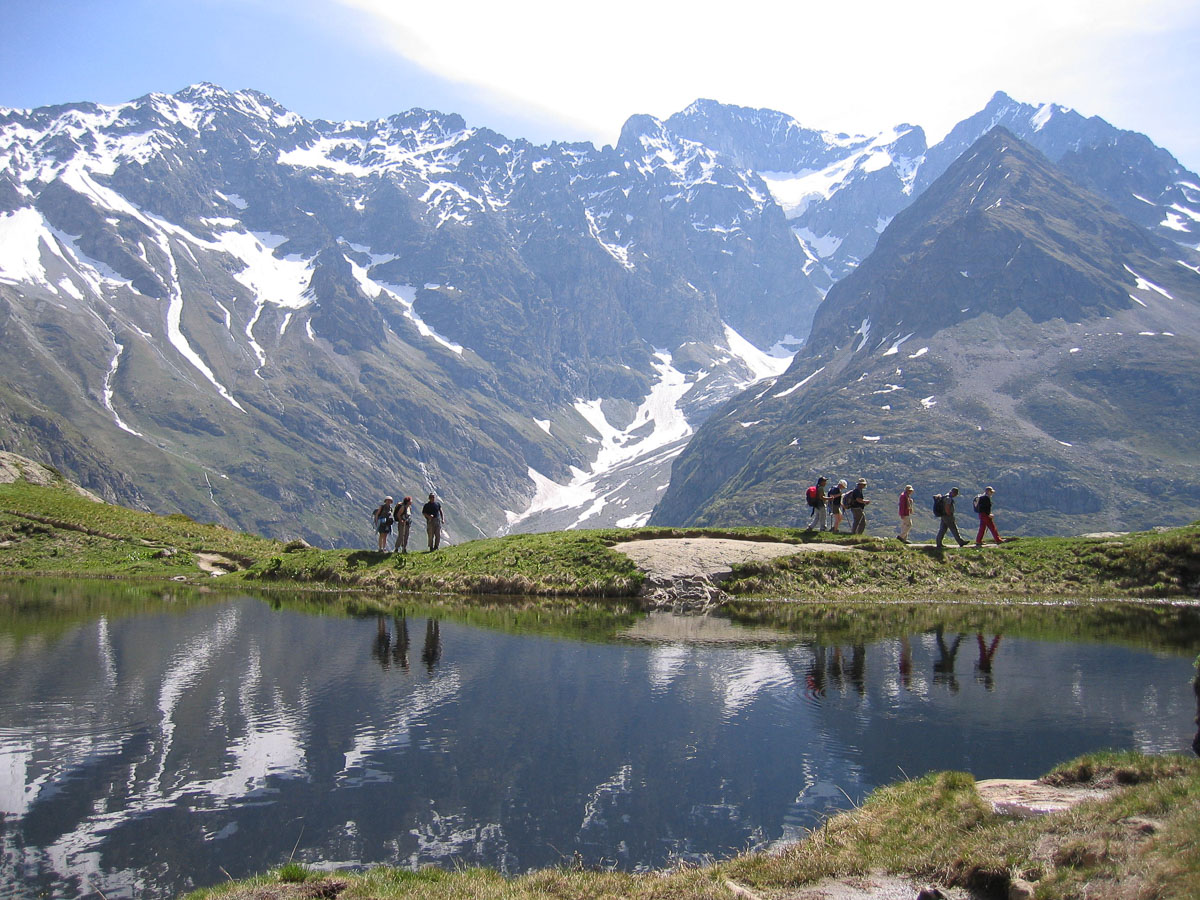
{"x": 816, "y": 498}
{"x": 906, "y": 508}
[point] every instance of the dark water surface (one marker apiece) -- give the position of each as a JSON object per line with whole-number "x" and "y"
{"x": 154, "y": 743}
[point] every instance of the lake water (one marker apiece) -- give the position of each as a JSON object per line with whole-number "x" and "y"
{"x": 154, "y": 742}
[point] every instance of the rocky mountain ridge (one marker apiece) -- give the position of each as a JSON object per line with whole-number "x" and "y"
{"x": 210, "y": 304}
{"x": 1011, "y": 328}
{"x": 840, "y": 191}
{"x": 271, "y": 321}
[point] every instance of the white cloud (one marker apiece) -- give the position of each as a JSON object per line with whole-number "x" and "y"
{"x": 858, "y": 67}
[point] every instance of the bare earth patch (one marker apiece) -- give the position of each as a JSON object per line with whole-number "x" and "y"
{"x": 1025, "y": 798}
{"x": 711, "y": 558}
{"x": 873, "y": 886}
{"x": 214, "y": 563}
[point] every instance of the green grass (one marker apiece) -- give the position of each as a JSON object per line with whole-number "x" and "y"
{"x": 1146, "y": 564}
{"x": 54, "y": 531}
{"x": 1142, "y": 840}
{"x": 938, "y": 829}
{"x": 574, "y": 563}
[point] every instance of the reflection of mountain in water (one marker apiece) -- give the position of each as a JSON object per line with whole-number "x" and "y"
{"x": 226, "y": 735}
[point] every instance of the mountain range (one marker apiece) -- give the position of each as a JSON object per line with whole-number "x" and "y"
{"x": 211, "y": 305}
{"x": 1010, "y": 328}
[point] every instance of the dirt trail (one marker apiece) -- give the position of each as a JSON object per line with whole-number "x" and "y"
{"x": 712, "y": 558}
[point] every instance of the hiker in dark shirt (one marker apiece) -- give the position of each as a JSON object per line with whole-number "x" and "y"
{"x": 983, "y": 506}
{"x": 835, "y": 504}
{"x": 948, "y": 523}
{"x": 858, "y": 507}
{"x": 434, "y": 519}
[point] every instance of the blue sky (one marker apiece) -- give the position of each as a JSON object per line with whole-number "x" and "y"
{"x": 545, "y": 70}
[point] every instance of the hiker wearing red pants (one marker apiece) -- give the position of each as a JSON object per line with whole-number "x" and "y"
{"x": 983, "y": 506}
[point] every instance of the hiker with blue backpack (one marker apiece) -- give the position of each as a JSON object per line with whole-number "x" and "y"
{"x": 381, "y": 519}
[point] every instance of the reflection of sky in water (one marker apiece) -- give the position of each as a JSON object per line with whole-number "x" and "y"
{"x": 224, "y": 736}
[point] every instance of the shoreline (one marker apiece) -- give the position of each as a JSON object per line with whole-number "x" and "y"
{"x": 935, "y": 831}
{"x": 1105, "y": 824}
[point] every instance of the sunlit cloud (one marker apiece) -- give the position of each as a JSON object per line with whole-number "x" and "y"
{"x": 858, "y": 66}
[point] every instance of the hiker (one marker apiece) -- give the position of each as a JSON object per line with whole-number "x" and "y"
{"x": 907, "y": 509}
{"x": 434, "y": 519}
{"x": 403, "y": 517}
{"x": 382, "y": 520}
{"x": 947, "y": 517}
{"x": 858, "y": 507}
{"x": 816, "y": 501}
{"x": 983, "y": 506}
{"x": 835, "y": 504}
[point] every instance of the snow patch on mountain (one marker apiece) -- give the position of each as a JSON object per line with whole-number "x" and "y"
{"x": 761, "y": 363}
{"x": 175, "y": 330}
{"x": 865, "y": 330}
{"x": 271, "y": 279}
{"x": 405, "y": 295}
{"x": 109, "y": 392}
{"x": 796, "y": 191}
{"x": 654, "y": 436}
{"x": 895, "y": 348}
{"x": 823, "y": 245}
{"x": 1144, "y": 285}
{"x": 658, "y": 422}
{"x": 801, "y": 383}
{"x": 23, "y": 235}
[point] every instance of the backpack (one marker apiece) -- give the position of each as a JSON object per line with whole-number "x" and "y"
{"x": 811, "y": 495}
{"x": 975, "y": 503}
{"x": 939, "y": 505}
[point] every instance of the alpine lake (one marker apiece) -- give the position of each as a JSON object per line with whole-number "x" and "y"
{"x": 157, "y": 739}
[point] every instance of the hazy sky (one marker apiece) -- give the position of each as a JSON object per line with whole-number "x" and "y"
{"x": 546, "y": 70}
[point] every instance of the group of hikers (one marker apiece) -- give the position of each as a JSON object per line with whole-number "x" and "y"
{"x": 832, "y": 503}
{"x": 829, "y": 505}
{"x": 386, "y": 515}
